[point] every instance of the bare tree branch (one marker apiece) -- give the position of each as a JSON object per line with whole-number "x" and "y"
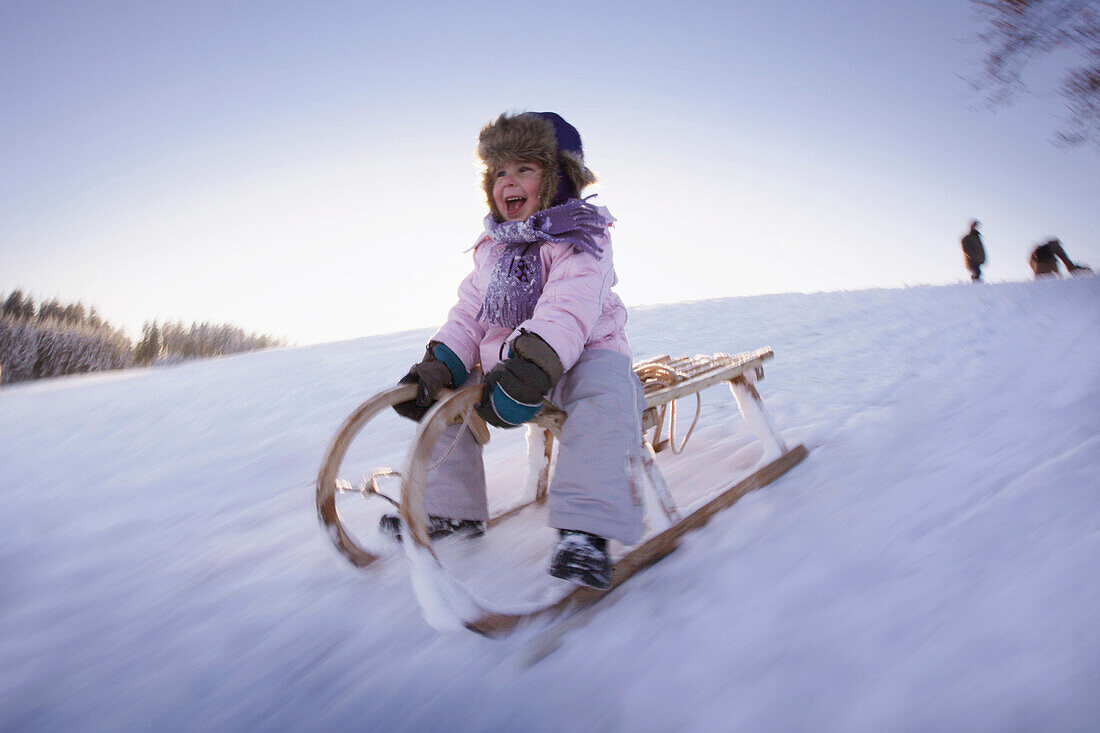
{"x": 1019, "y": 32}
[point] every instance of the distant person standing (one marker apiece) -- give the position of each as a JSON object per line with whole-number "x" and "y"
{"x": 1044, "y": 261}
{"x": 973, "y": 251}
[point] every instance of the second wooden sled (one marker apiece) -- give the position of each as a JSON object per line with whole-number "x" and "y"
{"x": 448, "y": 603}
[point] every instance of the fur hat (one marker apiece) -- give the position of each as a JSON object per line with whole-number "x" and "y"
{"x": 539, "y": 137}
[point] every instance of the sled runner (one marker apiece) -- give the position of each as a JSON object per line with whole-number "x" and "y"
{"x": 666, "y": 380}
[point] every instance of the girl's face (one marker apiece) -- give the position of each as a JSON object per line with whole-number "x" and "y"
{"x": 516, "y": 189}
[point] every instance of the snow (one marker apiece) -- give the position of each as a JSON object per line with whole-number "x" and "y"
{"x": 931, "y": 565}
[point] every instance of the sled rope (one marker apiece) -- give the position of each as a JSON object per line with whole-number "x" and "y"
{"x": 657, "y": 375}
{"x": 369, "y": 485}
{"x": 454, "y": 443}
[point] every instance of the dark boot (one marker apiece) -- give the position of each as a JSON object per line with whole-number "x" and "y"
{"x": 438, "y": 527}
{"x": 582, "y": 558}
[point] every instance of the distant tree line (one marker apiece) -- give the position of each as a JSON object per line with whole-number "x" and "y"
{"x": 52, "y": 339}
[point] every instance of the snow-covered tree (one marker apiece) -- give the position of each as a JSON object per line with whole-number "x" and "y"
{"x": 57, "y": 339}
{"x": 148, "y": 348}
{"x": 17, "y": 305}
{"x": 18, "y": 349}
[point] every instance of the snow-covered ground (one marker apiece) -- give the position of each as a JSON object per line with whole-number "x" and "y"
{"x": 934, "y": 564}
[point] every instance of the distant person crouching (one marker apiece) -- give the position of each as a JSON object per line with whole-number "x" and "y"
{"x": 973, "y": 251}
{"x": 1044, "y": 261}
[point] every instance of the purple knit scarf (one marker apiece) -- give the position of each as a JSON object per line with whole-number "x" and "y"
{"x": 516, "y": 281}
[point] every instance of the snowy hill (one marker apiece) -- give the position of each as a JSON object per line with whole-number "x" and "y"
{"x": 932, "y": 565}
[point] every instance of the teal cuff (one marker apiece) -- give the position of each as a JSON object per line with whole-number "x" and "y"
{"x": 511, "y": 410}
{"x": 450, "y": 359}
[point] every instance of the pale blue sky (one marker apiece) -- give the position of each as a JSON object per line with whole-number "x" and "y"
{"x": 307, "y": 169}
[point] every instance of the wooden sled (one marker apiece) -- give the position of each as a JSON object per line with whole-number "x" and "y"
{"x": 666, "y": 380}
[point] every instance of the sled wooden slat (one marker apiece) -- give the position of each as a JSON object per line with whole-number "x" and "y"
{"x": 700, "y": 372}
{"x": 668, "y": 379}
{"x": 704, "y": 379}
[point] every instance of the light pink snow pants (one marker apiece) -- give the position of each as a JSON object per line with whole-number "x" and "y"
{"x": 591, "y": 489}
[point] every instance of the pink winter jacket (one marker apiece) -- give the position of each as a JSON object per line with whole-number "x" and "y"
{"x": 576, "y": 310}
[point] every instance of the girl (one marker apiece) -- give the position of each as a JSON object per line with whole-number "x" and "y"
{"x": 538, "y": 316}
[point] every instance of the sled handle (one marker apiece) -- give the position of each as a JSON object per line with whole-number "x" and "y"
{"x": 450, "y": 410}
{"x": 330, "y": 468}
